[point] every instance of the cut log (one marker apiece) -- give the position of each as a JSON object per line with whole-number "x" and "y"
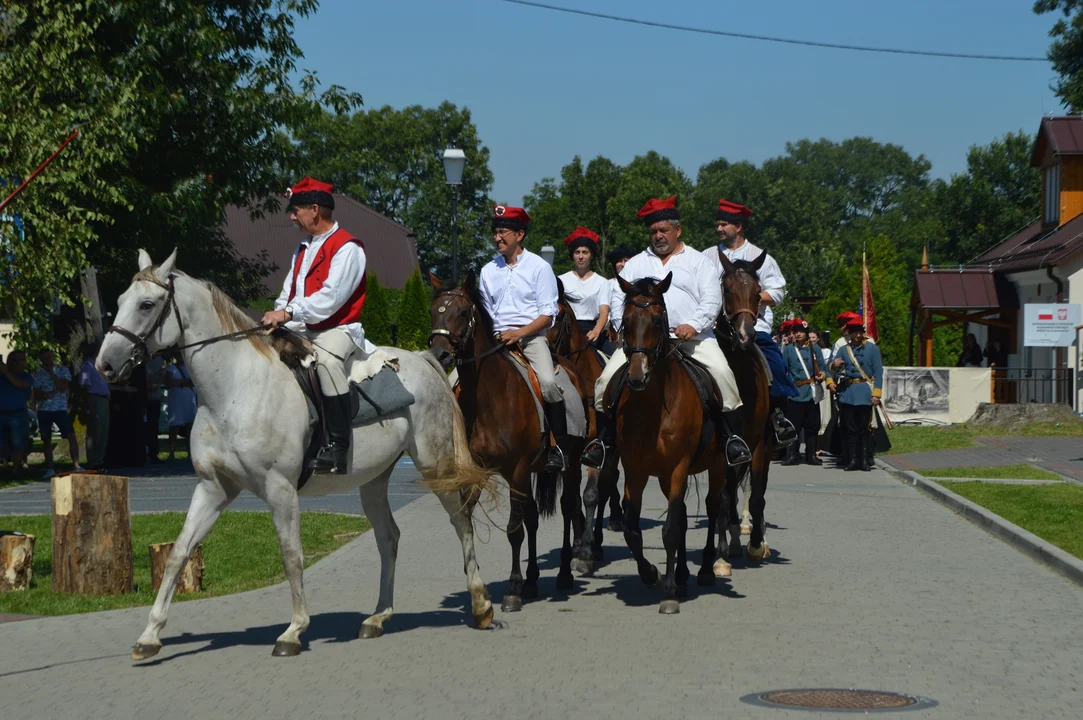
{"x": 92, "y": 535}
{"x": 16, "y": 561}
{"x": 191, "y": 578}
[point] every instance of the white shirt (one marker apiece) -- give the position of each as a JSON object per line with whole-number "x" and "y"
{"x": 517, "y": 295}
{"x": 694, "y": 296}
{"x": 586, "y": 296}
{"x": 615, "y": 295}
{"x": 346, "y": 273}
{"x": 771, "y": 280}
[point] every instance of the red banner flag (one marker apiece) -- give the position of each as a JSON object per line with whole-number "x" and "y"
{"x": 868, "y": 312}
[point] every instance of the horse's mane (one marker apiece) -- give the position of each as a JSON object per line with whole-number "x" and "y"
{"x": 232, "y": 317}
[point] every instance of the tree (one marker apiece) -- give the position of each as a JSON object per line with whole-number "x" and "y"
{"x": 181, "y": 107}
{"x": 391, "y": 160}
{"x": 414, "y": 324}
{"x": 1066, "y": 50}
{"x": 376, "y": 316}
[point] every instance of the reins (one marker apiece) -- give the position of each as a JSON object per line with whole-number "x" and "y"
{"x": 456, "y": 346}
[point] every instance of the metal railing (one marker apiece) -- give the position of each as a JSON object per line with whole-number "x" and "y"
{"x": 1033, "y": 385}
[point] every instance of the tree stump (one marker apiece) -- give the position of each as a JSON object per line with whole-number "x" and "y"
{"x": 16, "y": 561}
{"x": 191, "y": 578}
{"x": 92, "y": 535}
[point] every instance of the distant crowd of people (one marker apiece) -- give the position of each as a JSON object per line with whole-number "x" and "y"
{"x": 122, "y": 420}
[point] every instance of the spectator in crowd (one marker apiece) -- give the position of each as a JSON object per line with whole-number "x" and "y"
{"x": 156, "y": 377}
{"x": 180, "y": 404}
{"x": 96, "y": 403}
{"x": 995, "y": 354}
{"x": 51, "y": 383}
{"x": 15, "y": 386}
{"x": 971, "y": 354}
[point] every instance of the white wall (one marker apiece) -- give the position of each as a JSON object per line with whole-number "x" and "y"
{"x": 6, "y": 329}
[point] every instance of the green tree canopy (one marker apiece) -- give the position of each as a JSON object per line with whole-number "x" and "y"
{"x": 414, "y": 325}
{"x": 1066, "y": 50}
{"x": 376, "y": 316}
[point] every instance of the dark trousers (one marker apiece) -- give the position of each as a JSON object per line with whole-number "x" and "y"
{"x": 855, "y": 420}
{"x": 805, "y": 416}
{"x": 154, "y": 410}
{"x": 781, "y": 384}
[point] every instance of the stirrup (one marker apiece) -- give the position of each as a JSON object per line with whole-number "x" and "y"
{"x": 587, "y": 458}
{"x": 785, "y": 432}
{"x": 737, "y": 452}
{"x": 549, "y": 466}
{"x": 330, "y": 459}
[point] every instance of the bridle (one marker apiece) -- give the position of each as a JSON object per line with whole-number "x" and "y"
{"x": 140, "y": 351}
{"x": 457, "y": 346}
{"x": 655, "y": 351}
{"x": 732, "y": 316}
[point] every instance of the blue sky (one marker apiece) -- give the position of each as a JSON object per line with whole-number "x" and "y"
{"x": 545, "y": 86}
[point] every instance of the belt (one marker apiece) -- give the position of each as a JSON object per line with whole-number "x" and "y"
{"x": 799, "y": 383}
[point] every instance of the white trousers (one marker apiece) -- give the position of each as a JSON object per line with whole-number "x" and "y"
{"x": 706, "y": 352}
{"x": 536, "y": 349}
{"x": 333, "y": 348}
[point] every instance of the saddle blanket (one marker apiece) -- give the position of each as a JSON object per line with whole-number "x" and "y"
{"x": 379, "y": 395}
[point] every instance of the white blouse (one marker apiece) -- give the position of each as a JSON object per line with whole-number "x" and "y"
{"x": 586, "y": 296}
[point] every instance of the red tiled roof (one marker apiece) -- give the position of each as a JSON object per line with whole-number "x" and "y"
{"x": 1064, "y": 135}
{"x": 966, "y": 290}
{"x": 389, "y": 246}
{"x": 1032, "y": 247}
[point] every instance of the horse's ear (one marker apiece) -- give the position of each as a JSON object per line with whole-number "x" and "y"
{"x": 727, "y": 266}
{"x": 758, "y": 262}
{"x": 469, "y": 281}
{"x": 166, "y": 269}
{"x": 625, "y": 286}
{"x": 437, "y": 284}
{"x": 144, "y": 260}
{"x": 660, "y": 288}
{"x": 560, "y": 291}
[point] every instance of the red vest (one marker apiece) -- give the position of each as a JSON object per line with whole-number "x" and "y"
{"x": 350, "y": 312}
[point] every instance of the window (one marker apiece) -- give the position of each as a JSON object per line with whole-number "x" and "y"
{"x": 1052, "y": 194}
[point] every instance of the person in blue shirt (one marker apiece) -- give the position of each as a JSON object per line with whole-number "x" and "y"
{"x": 802, "y": 360}
{"x": 15, "y": 386}
{"x": 858, "y": 382}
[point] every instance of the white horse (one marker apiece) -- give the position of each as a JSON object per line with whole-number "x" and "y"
{"x": 252, "y": 428}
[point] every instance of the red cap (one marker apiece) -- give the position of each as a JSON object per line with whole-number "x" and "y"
{"x": 799, "y": 324}
{"x": 656, "y": 210}
{"x": 581, "y": 233}
{"x": 311, "y": 191}
{"x": 857, "y": 324}
{"x": 786, "y": 325}
{"x": 732, "y": 211}
{"x": 847, "y": 317}
{"x": 510, "y": 217}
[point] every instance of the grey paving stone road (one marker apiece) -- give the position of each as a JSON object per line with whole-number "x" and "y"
{"x": 1062, "y": 455}
{"x": 872, "y": 585}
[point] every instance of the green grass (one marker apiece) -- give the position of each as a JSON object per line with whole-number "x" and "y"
{"x": 914, "y": 438}
{"x": 241, "y": 553}
{"x": 1052, "y": 512}
{"x": 35, "y": 468}
{"x": 1010, "y": 472}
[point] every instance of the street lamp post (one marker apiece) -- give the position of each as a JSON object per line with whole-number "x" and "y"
{"x": 548, "y": 253}
{"x": 454, "y": 160}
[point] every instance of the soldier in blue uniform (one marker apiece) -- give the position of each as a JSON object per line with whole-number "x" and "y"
{"x": 802, "y": 360}
{"x": 858, "y": 382}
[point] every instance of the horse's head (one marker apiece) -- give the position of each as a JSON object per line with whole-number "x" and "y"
{"x": 741, "y": 297}
{"x": 147, "y": 320}
{"x": 646, "y": 326}
{"x": 453, "y": 317}
{"x": 560, "y": 333}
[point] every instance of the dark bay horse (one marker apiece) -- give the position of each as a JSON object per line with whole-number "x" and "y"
{"x": 659, "y": 423}
{"x": 568, "y": 341}
{"x": 506, "y": 433}
{"x": 736, "y": 334}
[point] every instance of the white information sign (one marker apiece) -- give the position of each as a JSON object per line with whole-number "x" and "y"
{"x": 1050, "y": 325}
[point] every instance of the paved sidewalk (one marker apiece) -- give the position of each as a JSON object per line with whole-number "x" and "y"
{"x": 873, "y": 585}
{"x": 1062, "y": 455}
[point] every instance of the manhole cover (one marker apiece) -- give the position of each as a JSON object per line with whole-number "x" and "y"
{"x": 838, "y": 699}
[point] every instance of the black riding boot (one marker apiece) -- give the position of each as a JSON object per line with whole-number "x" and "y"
{"x": 785, "y": 432}
{"x": 867, "y": 463}
{"x": 737, "y": 452}
{"x": 853, "y": 445}
{"x": 793, "y": 456}
{"x": 600, "y": 448}
{"x": 332, "y": 458}
{"x": 558, "y": 424}
{"x": 810, "y": 453}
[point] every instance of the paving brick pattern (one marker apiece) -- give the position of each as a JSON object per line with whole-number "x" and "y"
{"x": 873, "y": 585}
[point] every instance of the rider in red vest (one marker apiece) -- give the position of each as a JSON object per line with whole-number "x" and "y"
{"x": 322, "y": 299}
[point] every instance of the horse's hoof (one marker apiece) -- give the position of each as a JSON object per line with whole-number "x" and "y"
{"x": 722, "y": 570}
{"x": 512, "y": 603}
{"x": 145, "y": 652}
{"x": 746, "y": 529}
{"x": 705, "y": 578}
{"x": 565, "y": 582}
{"x": 669, "y": 607}
{"x": 286, "y": 649}
{"x": 530, "y": 592}
{"x": 484, "y": 620}
{"x": 582, "y": 566}
{"x": 755, "y": 554}
{"x": 368, "y": 632}
{"x": 651, "y": 578}
{"x": 616, "y": 525}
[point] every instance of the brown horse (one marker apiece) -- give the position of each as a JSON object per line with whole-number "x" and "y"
{"x": 568, "y": 341}
{"x": 505, "y": 432}
{"x": 736, "y": 334}
{"x": 659, "y": 426}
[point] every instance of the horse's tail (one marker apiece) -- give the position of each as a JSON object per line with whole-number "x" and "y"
{"x": 546, "y": 489}
{"x": 463, "y": 475}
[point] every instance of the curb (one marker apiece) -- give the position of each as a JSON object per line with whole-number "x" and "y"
{"x": 1028, "y": 543}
